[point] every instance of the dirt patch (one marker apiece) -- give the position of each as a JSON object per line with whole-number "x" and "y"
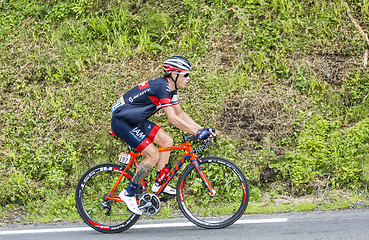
{"x": 271, "y": 111}
{"x": 331, "y": 68}
{"x": 267, "y": 112}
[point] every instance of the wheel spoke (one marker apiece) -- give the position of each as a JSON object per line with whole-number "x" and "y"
{"x": 101, "y": 214}
{"x": 222, "y": 209}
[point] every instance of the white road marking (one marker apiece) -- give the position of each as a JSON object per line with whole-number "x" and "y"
{"x": 138, "y": 226}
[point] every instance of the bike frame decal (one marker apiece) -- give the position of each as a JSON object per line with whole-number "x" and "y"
{"x": 99, "y": 225}
{"x": 244, "y": 191}
{"x": 124, "y": 173}
{"x": 181, "y": 191}
{"x": 172, "y": 173}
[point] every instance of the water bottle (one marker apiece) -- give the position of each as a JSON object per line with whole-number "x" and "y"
{"x": 163, "y": 173}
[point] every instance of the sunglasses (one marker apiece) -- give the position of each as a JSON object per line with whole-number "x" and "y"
{"x": 187, "y": 74}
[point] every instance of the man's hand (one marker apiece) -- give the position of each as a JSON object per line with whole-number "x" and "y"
{"x": 212, "y": 131}
{"x": 203, "y": 134}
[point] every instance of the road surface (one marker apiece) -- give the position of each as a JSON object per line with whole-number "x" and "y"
{"x": 348, "y": 225}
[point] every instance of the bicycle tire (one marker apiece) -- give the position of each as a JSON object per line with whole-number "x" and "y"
{"x": 91, "y": 191}
{"x": 226, "y": 206}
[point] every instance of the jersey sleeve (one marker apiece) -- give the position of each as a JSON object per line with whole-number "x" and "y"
{"x": 163, "y": 95}
{"x": 175, "y": 100}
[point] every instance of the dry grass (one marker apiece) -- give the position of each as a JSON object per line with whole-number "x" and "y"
{"x": 267, "y": 112}
{"x": 330, "y": 68}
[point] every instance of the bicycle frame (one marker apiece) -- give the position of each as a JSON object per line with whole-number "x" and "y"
{"x": 187, "y": 154}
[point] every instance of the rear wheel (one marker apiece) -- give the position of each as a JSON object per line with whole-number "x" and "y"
{"x": 226, "y": 206}
{"x": 104, "y": 215}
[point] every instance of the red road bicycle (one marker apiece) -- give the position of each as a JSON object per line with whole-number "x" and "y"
{"x": 212, "y": 192}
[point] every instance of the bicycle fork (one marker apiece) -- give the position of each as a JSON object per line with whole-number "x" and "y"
{"x": 200, "y": 171}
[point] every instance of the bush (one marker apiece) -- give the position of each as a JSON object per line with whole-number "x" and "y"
{"x": 327, "y": 151}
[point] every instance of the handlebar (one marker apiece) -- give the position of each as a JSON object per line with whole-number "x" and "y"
{"x": 189, "y": 138}
{"x": 206, "y": 144}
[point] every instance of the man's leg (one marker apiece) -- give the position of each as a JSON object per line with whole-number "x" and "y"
{"x": 151, "y": 157}
{"x": 163, "y": 139}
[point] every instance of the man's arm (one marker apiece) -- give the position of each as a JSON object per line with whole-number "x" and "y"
{"x": 188, "y": 119}
{"x": 185, "y": 116}
{"x": 181, "y": 120}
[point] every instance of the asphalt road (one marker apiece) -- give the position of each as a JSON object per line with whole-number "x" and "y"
{"x": 335, "y": 225}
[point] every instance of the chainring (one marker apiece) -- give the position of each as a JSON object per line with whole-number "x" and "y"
{"x": 149, "y": 204}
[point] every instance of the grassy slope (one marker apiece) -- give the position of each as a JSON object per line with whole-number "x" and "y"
{"x": 281, "y": 80}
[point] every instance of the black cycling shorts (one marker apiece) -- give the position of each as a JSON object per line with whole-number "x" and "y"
{"x": 138, "y": 137}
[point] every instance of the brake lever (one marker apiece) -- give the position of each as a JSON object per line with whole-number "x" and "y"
{"x": 207, "y": 144}
{"x": 210, "y": 142}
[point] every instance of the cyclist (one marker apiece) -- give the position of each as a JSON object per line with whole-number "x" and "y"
{"x": 130, "y": 123}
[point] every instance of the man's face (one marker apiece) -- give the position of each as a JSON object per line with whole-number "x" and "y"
{"x": 182, "y": 79}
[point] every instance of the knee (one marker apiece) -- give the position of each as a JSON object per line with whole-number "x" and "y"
{"x": 156, "y": 157}
{"x": 163, "y": 139}
{"x": 152, "y": 157}
{"x": 167, "y": 142}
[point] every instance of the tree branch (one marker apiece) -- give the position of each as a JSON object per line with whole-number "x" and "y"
{"x": 365, "y": 35}
{"x": 357, "y": 24}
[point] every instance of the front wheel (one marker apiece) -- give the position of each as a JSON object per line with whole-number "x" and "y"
{"x": 101, "y": 214}
{"x": 222, "y": 209}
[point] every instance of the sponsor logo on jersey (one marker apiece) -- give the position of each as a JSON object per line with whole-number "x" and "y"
{"x": 131, "y": 99}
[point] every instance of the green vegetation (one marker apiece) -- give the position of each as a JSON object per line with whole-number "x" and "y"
{"x": 281, "y": 80}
